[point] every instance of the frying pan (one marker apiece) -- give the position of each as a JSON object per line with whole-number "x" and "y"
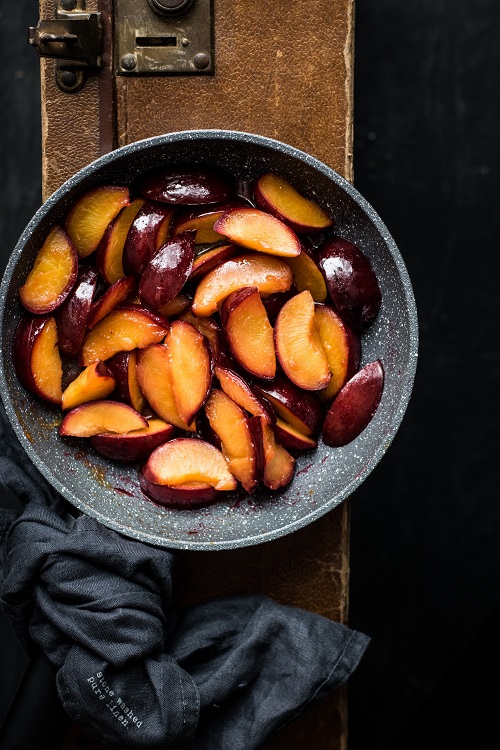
{"x": 323, "y": 478}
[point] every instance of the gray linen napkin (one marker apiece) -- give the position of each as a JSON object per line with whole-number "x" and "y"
{"x": 130, "y": 668}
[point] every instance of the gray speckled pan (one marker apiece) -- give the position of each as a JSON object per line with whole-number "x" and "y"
{"x": 323, "y": 478}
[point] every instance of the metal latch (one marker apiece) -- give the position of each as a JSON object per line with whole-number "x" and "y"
{"x": 75, "y": 38}
{"x": 164, "y": 37}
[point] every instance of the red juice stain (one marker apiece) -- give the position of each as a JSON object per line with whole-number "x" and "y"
{"x": 124, "y": 492}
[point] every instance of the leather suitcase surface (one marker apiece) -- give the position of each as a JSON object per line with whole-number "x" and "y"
{"x": 282, "y": 70}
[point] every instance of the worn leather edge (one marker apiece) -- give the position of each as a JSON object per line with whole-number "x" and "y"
{"x": 349, "y": 60}
{"x": 70, "y": 122}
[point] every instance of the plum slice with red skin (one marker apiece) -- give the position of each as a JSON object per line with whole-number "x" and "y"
{"x": 269, "y": 274}
{"x": 298, "y": 345}
{"x": 275, "y": 194}
{"x": 249, "y": 333}
{"x": 237, "y": 436}
{"x": 207, "y": 260}
{"x": 279, "y": 465}
{"x": 301, "y": 409}
{"x": 185, "y": 460}
{"x": 241, "y": 392}
{"x": 342, "y": 348}
{"x": 181, "y": 496}
{"x": 256, "y": 431}
{"x": 307, "y": 275}
{"x": 355, "y": 405}
{"x": 167, "y": 272}
{"x": 205, "y": 431}
{"x": 52, "y": 276}
{"x": 72, "y": 315}
{"x": 91, "y": 215}
{"x": 115, "y": 295}
{"x": 203, "y": 218}
{"x": 187, "y": 185}
{"x": 123, "y": 329}
{"x": 145, "y": 236}
{"x": 109, "y": 254}
{"x": 209, "y": 328}
{"x": 155, "y": 380}
{"x": 93, "y": 383}
{"x": 134, "y": 446}
{"x": 351, "y": 282}
{"x": 104, "y": 415}
{"x": 190, "y": 368}
{"x": 36, "y": 357}
{"x": 258, "y": 230}
{"x": 292, "y": 439}
{"x": 123, "y": 367}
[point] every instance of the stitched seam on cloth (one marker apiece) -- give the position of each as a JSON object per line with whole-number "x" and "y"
{"x": 184, "y": 706}
{"x": 65, "y": 696}
{"x": 324, "y": 682}
{"x": 198, "y": 707}
{"x": 340, "y": 657}
{"x": 184, "y": 721}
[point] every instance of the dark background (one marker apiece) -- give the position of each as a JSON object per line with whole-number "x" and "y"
{"x": 425, "y": 541}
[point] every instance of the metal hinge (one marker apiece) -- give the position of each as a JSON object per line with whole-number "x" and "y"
{"x": 152, "y": 37}
{"x": 74, "y": 38}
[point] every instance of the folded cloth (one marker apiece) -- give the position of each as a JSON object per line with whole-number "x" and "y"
{"x": 131, "y": 668}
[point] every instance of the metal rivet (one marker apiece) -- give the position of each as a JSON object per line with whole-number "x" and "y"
{"x": 68, "y": 78}
{"x": 68, "y": 4}
{"x": 184, "y": 42}
{"x": 128, "y": 62}
{"x": 201, "y": 60}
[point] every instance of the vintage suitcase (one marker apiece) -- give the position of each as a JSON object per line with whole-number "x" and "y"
{"x": 280, "y": 69}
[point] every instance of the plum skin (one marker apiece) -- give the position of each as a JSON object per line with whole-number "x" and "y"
{"x": 355, "y": 406}
{"x": 351, "y": 282}
{"x": 176, "y": 497}
{"x": 72, "y": 315}
{"x": 26, "y": 333}
{"x": 187, "y": 185}
{"x": 130, "y": 449}
{"x": 140, "y": 244}
{"x": 168, "y": 270}
{"x": 305, "y": 405}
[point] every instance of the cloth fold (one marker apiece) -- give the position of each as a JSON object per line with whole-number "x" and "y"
{"x": 132, "y": 668}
